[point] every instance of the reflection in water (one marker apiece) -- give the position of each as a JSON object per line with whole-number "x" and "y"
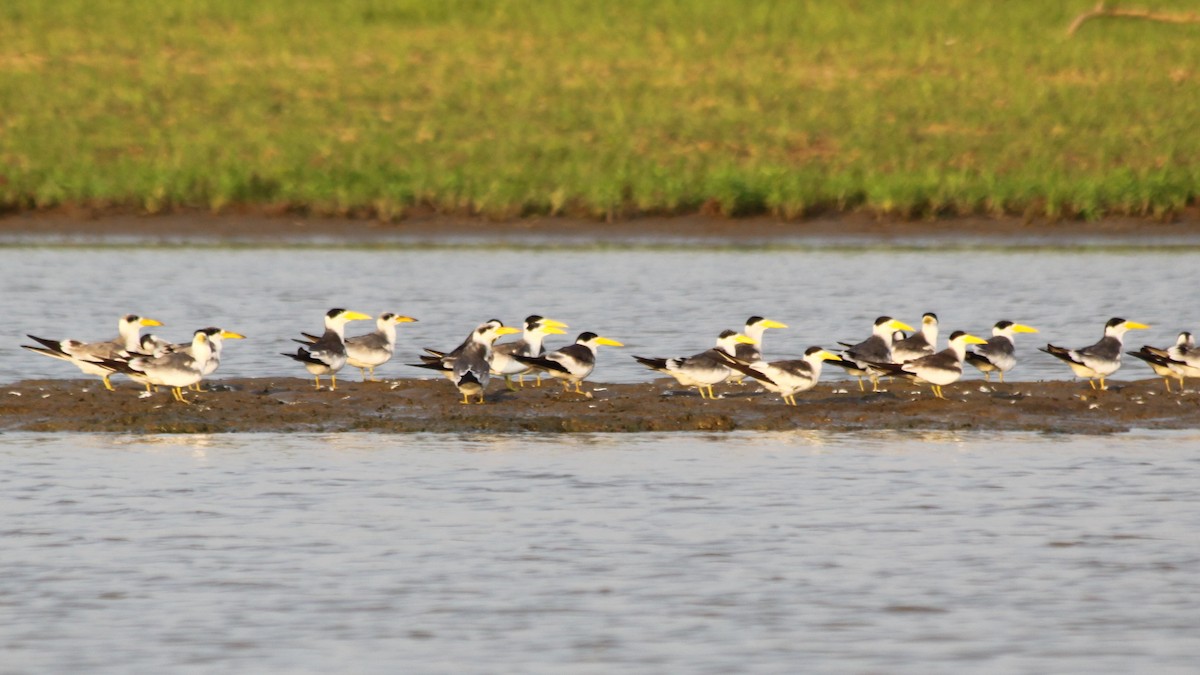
{"x": 646, "y": 553}
{"x": 198, "y": 441}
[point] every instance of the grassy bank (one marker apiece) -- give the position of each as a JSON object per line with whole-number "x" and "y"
{"x": 513, "y": 107}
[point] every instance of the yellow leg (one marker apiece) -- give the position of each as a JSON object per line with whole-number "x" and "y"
{"x": 466, "y": 400}
{"x": 179, "y": 396}
{"x": 1002, "y": 377}
{"x": 987, "y": 376}
{"x": 107, "y": 384}
{"x": 791, "y": 400}
{"x": 333, "y": 382}
{"x": 539, "y": 379}
{"x": 874, "y": 384}
{"x": 318, "y": 378}
{"x": 579, "y": 386}
{"x": 1103, "y": 386}
{"x": 861, "y": 386}
{"x": 480, "y": 401}
{"x": 147, "y": 387}
{"x": 1167, "y": 384}
{"x": 508, "y": 383}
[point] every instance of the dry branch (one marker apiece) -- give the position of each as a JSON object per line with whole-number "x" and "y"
{"x": 1101, "y": 11}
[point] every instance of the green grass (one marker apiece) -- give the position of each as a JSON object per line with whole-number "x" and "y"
{"x": 602, "y": 109}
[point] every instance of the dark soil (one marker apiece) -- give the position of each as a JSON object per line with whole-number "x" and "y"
{"x": 252, "y": 229}
{"x": 399, "y": 406}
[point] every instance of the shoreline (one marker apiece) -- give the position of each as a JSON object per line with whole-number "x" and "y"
{"x": 292, "y": 405}
{"x": 202, "y": 228}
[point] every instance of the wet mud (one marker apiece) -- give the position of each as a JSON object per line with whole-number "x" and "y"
{"x": 432, "y": 405}
{"x": 256, "y": 229}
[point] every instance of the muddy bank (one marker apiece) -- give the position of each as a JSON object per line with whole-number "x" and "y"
{"x": 198, "y": 228}
{"x": 412, "y": 405}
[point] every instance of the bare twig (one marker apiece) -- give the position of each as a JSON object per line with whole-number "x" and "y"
{"x": 1101, "y": 11}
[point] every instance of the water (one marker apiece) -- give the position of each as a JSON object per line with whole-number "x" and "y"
{"x": 757, "y": 553}
{"x": 659, "y": 302}
{"x": 766, "y": 553}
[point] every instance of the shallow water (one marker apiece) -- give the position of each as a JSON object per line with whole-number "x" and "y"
{"x": 799, "y": 552}
{"x": 660, "y": 302}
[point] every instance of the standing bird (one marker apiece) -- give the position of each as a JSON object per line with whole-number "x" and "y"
{"x": 857, "y": 359}
{"x": 939, "y": 369}
{"x": 1172, "y": 362}
{"x": 786, "y": 378}
{"x": 999, "y": 353}
{"x": 469, "y": 366}
{"x": 919, "y": 344}
{"x": 573, "y": 363}
{"x": 442, "y": 361}
{"x": 87, "y": 355}
{"x": 1101, "y": 359}
{"x": 754, "y": 329}
{"x": 174, "y": 369}
{"x": 154, "y": 347}
{"x": 473, "y": 367}
{"x": 530, "y": 344}
{"x": 328, "y": 354}
{"x": 216, "y": 344}
{"x": 701, "y": 370}
{"x": 1185, "y": 357}
{"x": 366, "y": 352}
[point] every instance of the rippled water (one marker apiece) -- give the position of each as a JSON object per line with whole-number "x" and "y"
{"x": 779, "y": 553}
{"x": 659, "y": 302}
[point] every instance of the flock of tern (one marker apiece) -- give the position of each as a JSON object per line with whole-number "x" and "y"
{"x": 893, "y": 350}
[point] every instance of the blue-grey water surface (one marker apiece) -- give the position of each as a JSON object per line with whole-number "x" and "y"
{"x": 773, "y": 553}
{"x": 658, "y": 302}
{"x": 756, "y": 553}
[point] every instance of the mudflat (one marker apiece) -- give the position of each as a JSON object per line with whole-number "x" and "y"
{"x": 855, "y": 229}
{"x": 433, "y": 405}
